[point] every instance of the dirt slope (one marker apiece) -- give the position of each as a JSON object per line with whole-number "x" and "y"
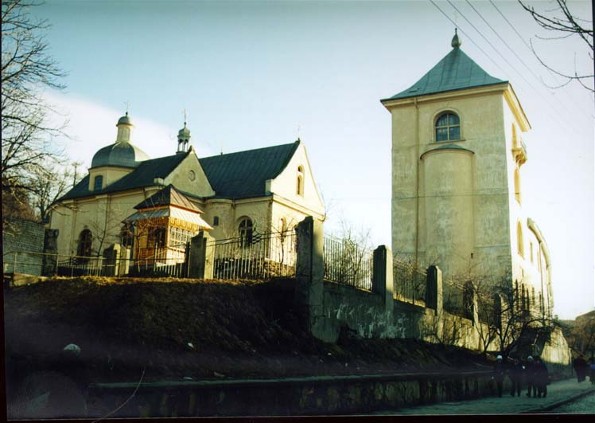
{"x": 172, "y": 329}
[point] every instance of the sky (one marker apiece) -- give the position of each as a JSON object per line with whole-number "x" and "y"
{"x": 251, "y": 74}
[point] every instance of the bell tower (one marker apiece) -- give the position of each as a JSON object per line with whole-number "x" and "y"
{"x": 457, "y": 153}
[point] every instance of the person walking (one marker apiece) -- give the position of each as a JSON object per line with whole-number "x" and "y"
{"x": 529, "y": 373}
{"x": 580, "y": 367}
{"x": 499, "y": 373}
{"x": 541, "y": 377}
{"x": 515, "y": 374}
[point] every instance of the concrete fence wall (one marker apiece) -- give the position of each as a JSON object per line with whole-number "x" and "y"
{"x": 334, "y": 307}
{"x": 287, "y": 397}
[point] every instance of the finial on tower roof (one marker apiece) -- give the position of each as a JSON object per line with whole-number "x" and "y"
{"x": 455, "y": 43}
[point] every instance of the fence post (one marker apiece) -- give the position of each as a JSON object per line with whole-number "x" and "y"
{"x": 382, "y": 276}
{"x": 434, "y": 299}
{"x": 310, "y": 274}
{"x": 201, "y": 256}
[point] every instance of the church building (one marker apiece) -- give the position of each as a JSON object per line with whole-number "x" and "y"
{"x": 159, "y": 204}
{"x": 457, "y": 198}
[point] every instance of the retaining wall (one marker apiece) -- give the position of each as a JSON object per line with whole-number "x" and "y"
{"x": 285, "y": 397}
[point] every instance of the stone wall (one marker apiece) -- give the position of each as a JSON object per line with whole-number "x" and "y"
{"x": 285, "y": 397}
{"x": 332, "y": 307}
{"x": 22, "y": 247}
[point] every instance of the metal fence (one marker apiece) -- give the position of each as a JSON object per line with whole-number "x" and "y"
{"x": 347, "y": 263}
{"x": 410, "y": 283}
{"x": 159, "y": 264}
{"x": 265, "y": 256}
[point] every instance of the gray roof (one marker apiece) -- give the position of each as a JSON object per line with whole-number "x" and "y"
{"x": 232, "y": 176}
{"x": 456, "y": 71}
{"x": 244, "y": 174}
{"x": 168, "y": 196}
{"x": 143, "y": 176}
{"x": 121, "y": 154}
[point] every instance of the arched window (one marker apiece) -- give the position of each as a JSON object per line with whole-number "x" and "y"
{"x": 84, "y": 245}
{"x": 517, "y": 185}
{"x": 448, "y": 127}
{"x": 519, "y": 240}
{"x": 98, "y": 183}
{"x": 300, "y": 181}
{"x": 246, "y": 232}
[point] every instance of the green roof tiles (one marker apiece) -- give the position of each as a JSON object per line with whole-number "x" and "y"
{"x": 456, "y": 71}
{"x": 232, "y": 176}
{"x": 244, "y": 174}
{"x": 143, "y": 176}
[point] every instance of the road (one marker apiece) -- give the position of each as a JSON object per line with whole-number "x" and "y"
{"x": 560, "y": 394}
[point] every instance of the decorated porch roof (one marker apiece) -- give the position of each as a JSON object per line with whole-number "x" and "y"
{"x": 172, "y": 212}
{"x": 166, "y": 197}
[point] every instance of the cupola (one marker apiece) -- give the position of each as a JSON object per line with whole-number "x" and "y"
{"x": 122, "y": 153}
{"x": 183, "y": 139}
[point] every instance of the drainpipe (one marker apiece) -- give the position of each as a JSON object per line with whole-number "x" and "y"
{"x": 417, "y": 176}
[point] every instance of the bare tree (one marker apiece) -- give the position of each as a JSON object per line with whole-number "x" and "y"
{"x": 48, "y": 184}
{"x": 510, "y": 317}
{"x": 348, "y": 256}
{"x": 28, "y": 136}
{"x": 564, "y": 23}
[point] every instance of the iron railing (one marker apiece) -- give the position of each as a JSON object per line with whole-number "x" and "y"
{"x": 409, "y": 283}
{"x": 266, "y": 255}
{"x": 347, "y": 263}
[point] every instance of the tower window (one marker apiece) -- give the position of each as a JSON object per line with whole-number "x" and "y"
{"x": 448, "y": 127}
{"x": 519, "y": 238}
{"x": 246, "y": 232}
{"x": 216, "y": 221}
{"x": 517, "y": 185}
{"x": 98, "y": 183}
{"x": 300, "y": 181}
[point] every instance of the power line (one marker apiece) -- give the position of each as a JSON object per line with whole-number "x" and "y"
{"x": 486, "y": 39}
{"x": 503, "y": 41}
{"x": 465, "y": 34}
{"x": 553, "y": 114}
{"x": 528, "y": 48}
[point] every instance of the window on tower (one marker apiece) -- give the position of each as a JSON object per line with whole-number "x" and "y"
{"x": 448, "y": 127}
{"x": 98, "y": 183}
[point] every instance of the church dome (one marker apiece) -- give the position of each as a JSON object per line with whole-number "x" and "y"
{"x": 119, "y": 154}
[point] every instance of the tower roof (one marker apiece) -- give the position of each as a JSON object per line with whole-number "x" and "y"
{"x": 456, "y": 71}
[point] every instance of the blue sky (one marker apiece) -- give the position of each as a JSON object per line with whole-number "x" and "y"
{"x": 252, "y": 74}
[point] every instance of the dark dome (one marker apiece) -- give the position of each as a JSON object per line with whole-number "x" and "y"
{"x": 119, "y": 154}
{"x": 124, "y": 120}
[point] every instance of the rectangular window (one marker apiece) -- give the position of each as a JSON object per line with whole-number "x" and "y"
{"x": 98, "y": 183}
{"x": 455, "y": 133}
{"x": 441, "y": 134}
